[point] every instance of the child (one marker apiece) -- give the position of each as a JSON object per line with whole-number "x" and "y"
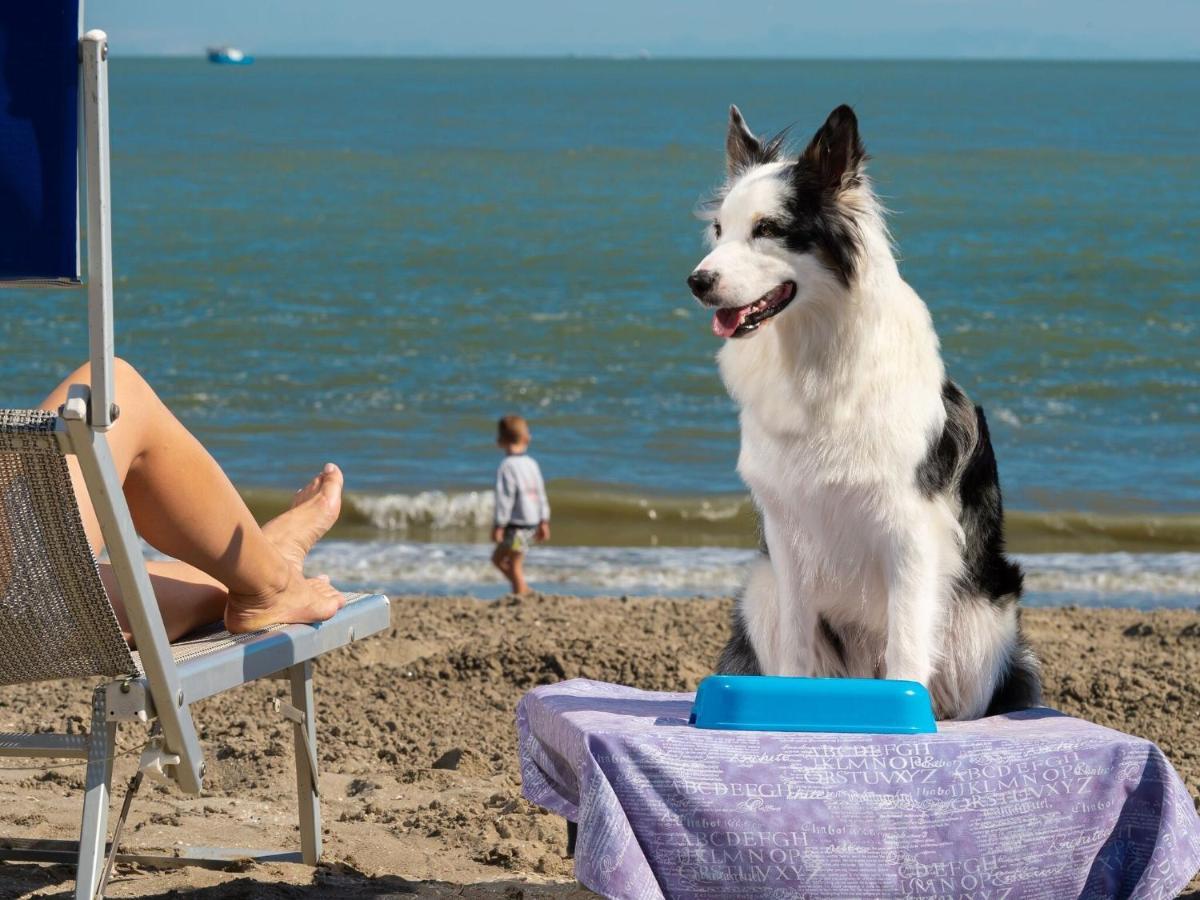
{"x": 522, "y": 510}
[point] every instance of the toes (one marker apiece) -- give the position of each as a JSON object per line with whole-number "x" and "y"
{"x": 332, "y": 592}
{"x": 307, "y": 492}
{"x": 329, "y": 592}
{"x": 320, "y": 599}
{"x": 331, "y": 477}
{"x": 327, "y": 484}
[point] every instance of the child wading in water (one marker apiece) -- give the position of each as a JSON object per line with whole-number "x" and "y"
{"x": 522, "y": 510}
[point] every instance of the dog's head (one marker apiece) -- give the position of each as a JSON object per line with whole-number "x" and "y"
{"x": 782, "y": 230}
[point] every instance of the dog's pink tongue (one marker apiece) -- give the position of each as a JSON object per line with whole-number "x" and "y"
{"x": 726, "y": 321}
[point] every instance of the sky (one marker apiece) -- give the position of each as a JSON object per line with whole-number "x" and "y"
{"x": 942, "y": 29}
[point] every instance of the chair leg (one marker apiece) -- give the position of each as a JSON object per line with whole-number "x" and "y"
{"x": 300, "y": 677}
{"x": 94, "y": 830}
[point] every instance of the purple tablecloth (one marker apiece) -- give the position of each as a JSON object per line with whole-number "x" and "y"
{"x": 1033, "y": 804}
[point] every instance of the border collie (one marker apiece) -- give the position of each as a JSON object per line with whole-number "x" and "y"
{"x": 882, "y": 525}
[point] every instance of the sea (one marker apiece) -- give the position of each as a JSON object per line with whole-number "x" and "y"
{"x": 370, "y": 260}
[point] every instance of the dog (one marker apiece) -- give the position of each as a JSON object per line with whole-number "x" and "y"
{"x": 873, "y": 474}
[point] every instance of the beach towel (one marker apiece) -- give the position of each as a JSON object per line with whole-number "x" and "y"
{"x": 1030, "y": 804}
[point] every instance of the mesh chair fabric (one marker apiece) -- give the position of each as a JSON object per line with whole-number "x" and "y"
{"x": 55, "y": 617}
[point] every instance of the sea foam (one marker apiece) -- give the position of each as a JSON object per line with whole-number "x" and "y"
{"x": 1144, "y": 580}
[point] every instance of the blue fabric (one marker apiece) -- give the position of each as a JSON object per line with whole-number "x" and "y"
{"x": 39, "y": 124}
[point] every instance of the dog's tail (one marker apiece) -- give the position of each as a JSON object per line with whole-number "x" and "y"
{"x": 1021, "y": 686}
{"x": 738, "y": 657}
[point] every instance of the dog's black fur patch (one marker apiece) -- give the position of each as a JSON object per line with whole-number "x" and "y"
{"x": 953, "y": 445}
{"x": 831, "y": 163}
{"x": 961, "y": 460}
{"x": 744, "y": 151}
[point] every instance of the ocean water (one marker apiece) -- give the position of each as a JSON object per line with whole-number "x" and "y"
{"x": 370, "y": 260}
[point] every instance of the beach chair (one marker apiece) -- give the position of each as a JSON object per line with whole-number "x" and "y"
{"x": 55, "y": 617}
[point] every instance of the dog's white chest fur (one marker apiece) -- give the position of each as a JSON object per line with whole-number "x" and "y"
{"x": 834, "y": 424}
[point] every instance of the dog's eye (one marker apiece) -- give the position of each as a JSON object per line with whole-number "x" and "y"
{"x": 716, "y": 229}
{"x": 765, "y": 228}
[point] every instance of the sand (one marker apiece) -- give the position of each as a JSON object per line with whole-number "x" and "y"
{"x": 420, "y": 790}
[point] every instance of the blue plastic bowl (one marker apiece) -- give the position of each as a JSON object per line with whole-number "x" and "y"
{"x": 847, "y": 705}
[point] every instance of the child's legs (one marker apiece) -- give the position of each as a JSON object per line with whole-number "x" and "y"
{"x": 517, "y": 573}
{"x": 502, "y": 559}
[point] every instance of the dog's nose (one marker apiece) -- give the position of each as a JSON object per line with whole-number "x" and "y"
{"x": 701, "y": 282}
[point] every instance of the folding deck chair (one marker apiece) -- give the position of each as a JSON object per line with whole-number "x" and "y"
{"x": 55, "y": 618}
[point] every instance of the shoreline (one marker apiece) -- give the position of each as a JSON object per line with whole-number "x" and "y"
{"x": 616, "y": 540}
{"x": 418, "y": 743}
{"x": 1138, "y": 581}
{"x": 602, "y": 515}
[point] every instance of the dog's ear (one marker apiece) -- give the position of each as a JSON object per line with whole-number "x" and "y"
{"x": 836, "y": 153}
{"x": 742, "y": 148}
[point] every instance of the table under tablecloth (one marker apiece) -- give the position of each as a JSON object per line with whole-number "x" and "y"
{"x": 1033, "y": 804}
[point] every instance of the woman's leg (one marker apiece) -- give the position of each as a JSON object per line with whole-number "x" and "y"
{"x": 183, "y": 504}
{"x": 187, "y": 598}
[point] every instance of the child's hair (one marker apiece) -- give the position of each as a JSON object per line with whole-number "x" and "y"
{"x": 512, "y": 430}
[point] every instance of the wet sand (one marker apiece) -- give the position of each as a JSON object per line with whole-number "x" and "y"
{"x": 420, "y": 789}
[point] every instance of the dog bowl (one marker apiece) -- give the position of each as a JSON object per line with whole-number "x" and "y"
{"x": 846, "y": 705}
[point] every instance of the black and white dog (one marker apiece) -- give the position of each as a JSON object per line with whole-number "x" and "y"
{"x": 872, "y": 471}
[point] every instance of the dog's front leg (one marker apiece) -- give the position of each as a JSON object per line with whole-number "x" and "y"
{"x": 914, "y": 611}
{"x": 790, "y": 632}
{"x": 795, "y": 640}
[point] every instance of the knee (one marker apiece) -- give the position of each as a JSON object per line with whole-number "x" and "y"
{"x": 131, "y": 388}
{"x": 126, "y": 375}
{"x": 127, "y": 382}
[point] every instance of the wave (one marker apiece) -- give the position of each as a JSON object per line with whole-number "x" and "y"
{"x": 1088, "y": 532}
{"x": 1052, "y": 579}
{"x": 1160, "y": 574}
{"x": 590, "y": 515}
{"x": 434, "y": 510}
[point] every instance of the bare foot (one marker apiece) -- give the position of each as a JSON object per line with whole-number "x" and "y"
{"x": 302, "y": 601}
{"x": 315, "y": 508}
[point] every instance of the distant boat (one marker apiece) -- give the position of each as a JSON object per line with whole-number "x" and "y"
{"x": 228, "y": 56}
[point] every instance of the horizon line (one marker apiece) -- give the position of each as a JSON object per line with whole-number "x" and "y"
{"x": 637, "y": 57}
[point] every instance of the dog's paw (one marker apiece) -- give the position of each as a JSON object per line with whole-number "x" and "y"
{"x": 908, "y": 670}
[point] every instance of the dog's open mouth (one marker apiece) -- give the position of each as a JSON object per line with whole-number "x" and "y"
{"x": 736, "y": 321}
